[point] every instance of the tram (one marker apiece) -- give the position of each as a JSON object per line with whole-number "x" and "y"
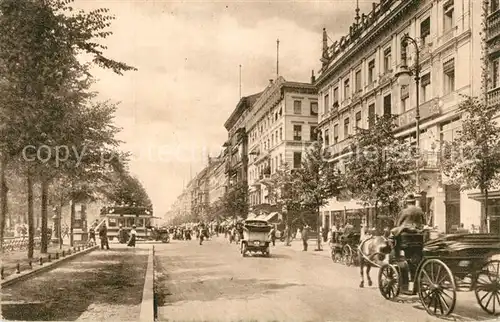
{"x": 127, "y": 216}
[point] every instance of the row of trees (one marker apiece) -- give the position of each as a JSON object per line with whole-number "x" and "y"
{"x": 53, "y": 132}
{"x": 379, "y": 170}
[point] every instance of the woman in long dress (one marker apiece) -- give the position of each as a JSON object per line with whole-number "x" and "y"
{"x": 298, "y": 235}
{"x": 133, "y": 236}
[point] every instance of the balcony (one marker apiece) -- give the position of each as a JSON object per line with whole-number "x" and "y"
{"x": 493, "y": 25}
{"x": 494, "y": 97}
{"x": 340, "y": 148}
{"x": 430, "y": 161}
{"x": 448, "y": 35}
{"x": 345, "y": 103}
{"x": 427, "y": 109}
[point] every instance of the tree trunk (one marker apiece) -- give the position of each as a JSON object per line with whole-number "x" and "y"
{"x": 375, "y": 213}
{"x": 31, "y": 217}
{"x": 72, "y": 223}
{"x": 484, "y": 220}
{"x": 44, "y": 214}
{"x": 3, "y": 200}
{"x": 318, "y": 225}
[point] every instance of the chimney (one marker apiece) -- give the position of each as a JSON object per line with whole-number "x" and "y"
{"x": 374, "y": 5}
{"x": 270, "y": 82}
{"x": 313, "y": 78}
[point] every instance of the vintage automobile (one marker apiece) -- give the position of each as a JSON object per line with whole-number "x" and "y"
{"x": 255, "y": 237}
{"x": 160, "y": 233}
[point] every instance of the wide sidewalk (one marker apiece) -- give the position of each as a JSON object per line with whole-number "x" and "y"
{"x": 98, "y": 286}
{"x": 10, "y": 259}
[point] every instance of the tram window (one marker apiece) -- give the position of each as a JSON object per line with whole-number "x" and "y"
{"x": 130, "y": 222}
{"x": 148, "y": 222}
{"x": 121, "y": 222}
{"x": 112, "y": 222}
{"x": 140, "y": 222}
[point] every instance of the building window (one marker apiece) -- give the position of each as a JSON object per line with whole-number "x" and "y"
{"x": 281, "y": 158}
{"x": 405, "y": 94}
{"x": 358, "y": 120}
{"x": 297, "y": 132}
{"x": 327, "y": 103}
{"x": 448, "y": 10}
{"x": 276, "y": 164}
{"x": 388, "y": 105}
{"x": 357, "y": 79}
{"x": 327, "y": 137}
{"x": 297, "y": 107}
{"x": 346, "y": 88}
{"x": 314, "y": 108}
{"x": 335, "y": 96}
{"x": 495, "y": 70}
{"x": 425, "y": 87}
{"x": 494, "y": 5}
{"x": 371, "y": 71}
{"x": 297, "y": 160}
{"x": 387, "y": 60}
{"x": 281, "y": 133}
{"x": 371, "y": 115}
{"x": 272, "y": 139}
{"x": 276, "y": 136}
{"x": 335, "y": 133}
{"x": 314, "y": 133}
{"x": 449, "y": 76}
{"x": 425, "y": 30}
{"x": 346, "y": 128}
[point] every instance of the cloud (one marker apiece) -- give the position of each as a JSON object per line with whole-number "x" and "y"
{"x": 187, "y": 83}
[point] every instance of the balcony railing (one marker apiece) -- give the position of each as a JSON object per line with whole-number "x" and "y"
{"x": 494, "y": 97}
{"x": 448, "y": 35}
{"x": 427, "y": 109}
{"x": 493, "y": 25}
{"x": 429, "y": 160}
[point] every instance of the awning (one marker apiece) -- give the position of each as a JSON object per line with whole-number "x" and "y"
{"x": 344, "y": 205}
{"x": 478, "y": 196}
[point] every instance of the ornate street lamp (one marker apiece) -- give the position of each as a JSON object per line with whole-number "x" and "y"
{"x": 403, "y": 77}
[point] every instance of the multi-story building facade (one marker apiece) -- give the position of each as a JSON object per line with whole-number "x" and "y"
{"x": 217, "y": 183}
{"x": 236, "y": 147}
{"x": 281, "y": 123}
{"x": 199, "y": 194}
{"x": 357, "y": 80}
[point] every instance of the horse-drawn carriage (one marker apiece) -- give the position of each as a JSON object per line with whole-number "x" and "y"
{"x": 437, "y": 270}
{"x": 344, "y": 247}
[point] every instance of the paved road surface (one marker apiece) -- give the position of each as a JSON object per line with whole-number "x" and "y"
{"x": 213, "y": 282}
{"x": 104, "y": 285}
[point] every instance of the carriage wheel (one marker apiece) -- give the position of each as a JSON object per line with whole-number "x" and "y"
{"x": 336, "y": 256}
{"x": 436, "y": 288}
{"x": 487, "y": 287}
{"x": 388, "y": 281}
{"x": 347, "y": 255}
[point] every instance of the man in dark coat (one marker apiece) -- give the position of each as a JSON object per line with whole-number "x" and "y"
{"x": 103, "y": 235}
{"x": 410, "y": 217}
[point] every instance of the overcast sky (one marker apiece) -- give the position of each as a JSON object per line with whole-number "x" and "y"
{"x": 187, "y": 54}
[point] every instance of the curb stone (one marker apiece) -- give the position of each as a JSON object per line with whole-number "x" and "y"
{"x": 15, "y": 278}
{"x": 147, "y": 304}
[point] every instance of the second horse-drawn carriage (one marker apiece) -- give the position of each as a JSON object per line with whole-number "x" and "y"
{"x": 344, "y": 247}
{"x": 439, "y": 268}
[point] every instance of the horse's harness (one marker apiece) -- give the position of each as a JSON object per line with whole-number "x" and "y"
{"x": 365, "y": 257}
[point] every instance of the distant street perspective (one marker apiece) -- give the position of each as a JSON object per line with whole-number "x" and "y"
{"x": 250, "y": 160}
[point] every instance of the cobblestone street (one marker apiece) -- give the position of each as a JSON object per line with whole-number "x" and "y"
{"x": 213, "y": 282}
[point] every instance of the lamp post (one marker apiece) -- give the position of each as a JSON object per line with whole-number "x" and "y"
{"x": 403, "y": 77}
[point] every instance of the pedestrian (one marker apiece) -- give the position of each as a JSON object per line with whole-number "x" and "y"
{"x": 305, "y": 236}
{"x": 133, "y": 237}
{"x": 272, "y": 234}
{"x": 92, "y": 234}
{"x": 103, "y": 235}
{"x": 298, "y": 235}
